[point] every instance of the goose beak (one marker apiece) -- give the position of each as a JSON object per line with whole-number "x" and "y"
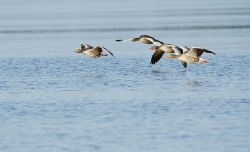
{"x": 167, "y": 56}
{"x": 77, "y": 51}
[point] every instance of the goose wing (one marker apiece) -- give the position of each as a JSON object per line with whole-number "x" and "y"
{"x": 127, "y": 39}
{"x": 184, "y": 49}
{"x": 154, "y": 41}
{"x": 107, "y": 50}
{"x": 197, "y": 52}
{"x": 177, "y": 50}
{"x": 85, "y": 46}
{"x": 184, "y": 64}
{"x": 156, "y": 56}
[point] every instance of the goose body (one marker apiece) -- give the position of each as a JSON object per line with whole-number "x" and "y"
{"x": 164, "y": 48}
{"x": 191, "y": 56}
{"x": 93, "y": 52}
{"x": 144, "y": 39}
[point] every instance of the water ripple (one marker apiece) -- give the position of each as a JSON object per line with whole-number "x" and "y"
{"x": 90, "y": 30}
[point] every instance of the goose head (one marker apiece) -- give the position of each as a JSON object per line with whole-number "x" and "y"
{"x": 132, "y": 39}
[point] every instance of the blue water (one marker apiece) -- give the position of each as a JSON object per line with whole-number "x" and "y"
{"x": 52, "y": 99}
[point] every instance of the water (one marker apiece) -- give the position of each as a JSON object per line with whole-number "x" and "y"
{"x": 53, "y": 99}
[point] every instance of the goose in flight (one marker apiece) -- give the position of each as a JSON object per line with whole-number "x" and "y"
{"x": 168, "y": 48}
{"x": 144, "y": 39}
{"x": 160, "y": 50}
{"x": 93, "y": 52}
{"x": 191, "y": 56}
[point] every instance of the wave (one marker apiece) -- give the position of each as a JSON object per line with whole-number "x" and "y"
{"x": 209, "y": 27}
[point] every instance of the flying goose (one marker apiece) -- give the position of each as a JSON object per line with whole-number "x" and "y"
{"x": 191, "y": 56}
{"x": 92, "y": 52}
{"x": 186, "y": 49}
{"x": 168, "y": 48}
{"x": 160, "y": 50}
{"x": 144, "y": 39}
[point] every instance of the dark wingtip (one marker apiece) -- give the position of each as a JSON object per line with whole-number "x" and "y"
{"x": 153, "y": 62}
{"x": 112, "y": 54}
{"x": 118, "y": 40}
{"x": 207, "y": 51}
{"x": 212, "y": 52}
{"x": 184, "y": 64}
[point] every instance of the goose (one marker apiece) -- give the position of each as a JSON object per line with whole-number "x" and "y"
{"x": 186, "y": 49}
{"x": 191, "y": 56}
{"x": 160, "y": 50}
{"x": 168, "y": 48}
{"x": 144, "y": 39}
{"x": 160, "y": 47}
{"x": 95, "y": 52}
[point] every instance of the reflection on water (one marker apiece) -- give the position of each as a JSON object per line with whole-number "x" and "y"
{"x": 170, "y": 71}
{"x": 92, "y": 77}
{"x": 157, "y": 71}
{"x": 194, "y": 83}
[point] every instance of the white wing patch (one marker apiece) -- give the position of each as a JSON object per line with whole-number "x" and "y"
{"x": 184, "y": 48}
{"x": 154, "y": 41}
{"x": 177, "y": 50}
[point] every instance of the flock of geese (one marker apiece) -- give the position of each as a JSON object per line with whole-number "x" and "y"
{"x": 182, "y": 53}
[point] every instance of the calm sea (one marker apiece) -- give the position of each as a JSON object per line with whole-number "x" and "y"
{"x": 52, "y": 99}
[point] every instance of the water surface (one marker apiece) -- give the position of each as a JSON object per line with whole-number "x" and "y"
{"x": 53, "y": 99}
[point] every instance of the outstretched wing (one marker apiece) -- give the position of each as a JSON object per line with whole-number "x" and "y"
{"x": 184, "y": 64}
{"x": 177, "y": 50}
{"x": 156, "y": 56}
{"x": 85, "y": 46}
{"x": 107, "y": 50}
{"x": 122, "y": 40}
{"x": 184, "y": 49}
{"x": 207, "y": 51}
{"x": 154, "y": 41}
{"x": 126, "y": 39}
{"x": 197, "y": 52}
